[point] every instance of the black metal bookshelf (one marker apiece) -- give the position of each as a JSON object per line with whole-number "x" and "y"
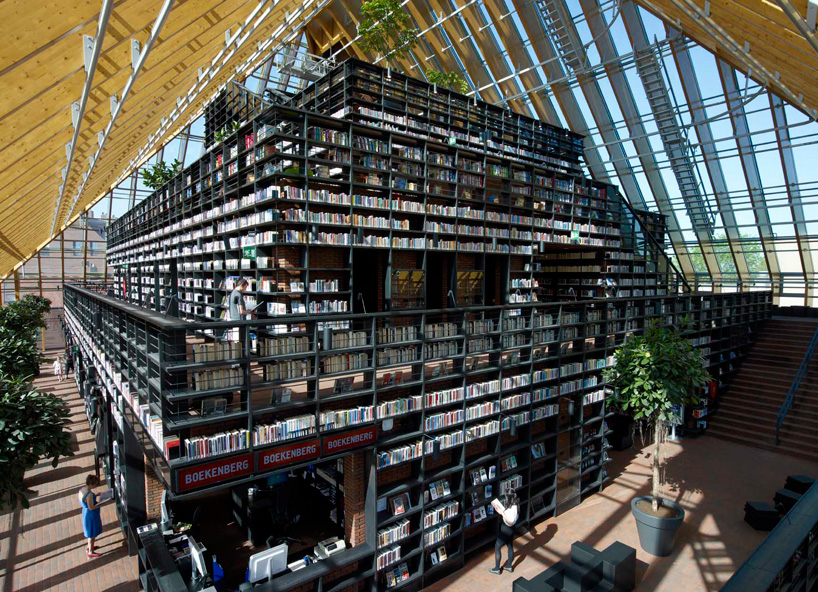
{"x": 147, "y": 362}
{"x": 431, "y": 278}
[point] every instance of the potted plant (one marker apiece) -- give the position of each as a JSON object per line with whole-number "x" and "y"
{"x": 653, "y": 374}
{"x": 452, "y": 80}
{"x": 20, "y": 321}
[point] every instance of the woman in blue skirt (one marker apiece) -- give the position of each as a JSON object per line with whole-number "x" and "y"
{"x": 91, "y": 521}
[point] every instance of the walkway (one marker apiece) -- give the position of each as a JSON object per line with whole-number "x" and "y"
{"x": 710, "y": 478}
{"x": 42, "y": 548}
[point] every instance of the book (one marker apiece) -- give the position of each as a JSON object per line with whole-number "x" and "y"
{"x": 487, "y": 492}
{"x": 441, "y": 553}
{"x": 433, "y": 557}
{"x": 398, "y": 506}
{"x": 105, "y": 496}
{"x": 497, "y": 505}
{"x": 483, "y": 475}
{"x": 492, "y": 471}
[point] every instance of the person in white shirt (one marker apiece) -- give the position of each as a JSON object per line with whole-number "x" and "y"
{"x": 508, "y": 508}
{"x": 57, "y": 367}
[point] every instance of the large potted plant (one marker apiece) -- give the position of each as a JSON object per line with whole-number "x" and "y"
{"x": 20, "y": 322}
{"x": 33, "y": 426}
{"x": 653, "y": 374}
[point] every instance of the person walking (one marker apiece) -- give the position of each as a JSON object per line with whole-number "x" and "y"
{"x": 91, "y": 520}
{"x": 508, "y": 508}
{"x": 69, "y": 364}
{"x": 57, "y": 367}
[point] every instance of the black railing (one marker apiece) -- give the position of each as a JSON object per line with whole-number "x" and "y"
{"x": 787, "y": 560}
{"x": 789, "y": 398}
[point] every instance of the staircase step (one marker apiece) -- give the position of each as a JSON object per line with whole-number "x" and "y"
{"x": 748, "y": 410}
{"x": 783, "y": 448}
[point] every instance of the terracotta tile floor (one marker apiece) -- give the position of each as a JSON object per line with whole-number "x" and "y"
{"x": 42, "y": 548}
{"x": 710, "y": 478}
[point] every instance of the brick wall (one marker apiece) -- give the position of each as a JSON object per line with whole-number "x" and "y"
{"x": 153, "y": 494}
{"x": 355, "y": 498}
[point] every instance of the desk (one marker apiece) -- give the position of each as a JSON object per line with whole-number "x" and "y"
{"x": 158, "y": 571}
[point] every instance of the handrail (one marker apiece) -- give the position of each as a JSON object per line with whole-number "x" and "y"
{"x": 796, "y": 382}
{"x": 785, "y": 561}
{"x": 661, "y": 248}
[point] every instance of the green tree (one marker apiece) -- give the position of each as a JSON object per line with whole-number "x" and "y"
{"x": 651, "y": 374}
{"x": 156, "y": 175}
{"x": 19, "y": 323}
{"x": 386, "y": 30}
{"x": 751, "y": 247}
{"x": 32, "y": 427}
{"x": 452, "y": 80}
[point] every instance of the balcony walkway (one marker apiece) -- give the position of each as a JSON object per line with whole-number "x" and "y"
{"x": 42, "y": 548}
{"x": 710, "y": 478}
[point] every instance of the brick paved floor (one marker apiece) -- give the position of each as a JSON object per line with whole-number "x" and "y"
{"x": 710, "y": 478}
{"x": 42, "y": 548}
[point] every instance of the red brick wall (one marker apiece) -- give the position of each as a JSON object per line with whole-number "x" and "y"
{"x": 153, "y": 494}
{"x": 355, "y": 498}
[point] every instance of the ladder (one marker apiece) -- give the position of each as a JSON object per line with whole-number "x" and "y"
{"x": 565, "y": 39}
{"x": 677, "y": 146}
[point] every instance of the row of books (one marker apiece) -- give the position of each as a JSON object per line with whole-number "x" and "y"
{"x": 204, "y": 446}
{"x": 397, "y": 355}
{"x": 442, "y": 349}
{"x": 397, "y": 334}
{"x": 333, "y": 420}
{"x": 287, "y": 369}
{"x": 515, "y": 401}
{"x": 399, "y": 406}
{"x": 348, "y": 339}
{"x": 437, "y": 535}
{"x": 485, "y": 430}
{"x": 482, "y": 410}
{"x": 342, "y": 362}
{"x": 442, "y": 420}
{"x": 387, "y": 557}
{"x": 204, "y": 380}
{"x": 394, "y": 533}
{"x": 440, "y": 513}
{"x": 285, "y": 429}
{"x": 216, "y": 351}
{"x": 511, "y": 483}
{"x": 274, "y": 346}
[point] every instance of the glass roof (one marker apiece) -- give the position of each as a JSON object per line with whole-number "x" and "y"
{"x": 738, "y": 180}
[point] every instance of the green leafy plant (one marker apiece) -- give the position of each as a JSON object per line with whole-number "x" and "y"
{"x": 652, "y": 374}
{"x": 156, "y": 175}
{"x": 19, "y": 323}
{"x": 452, "y": 80}
{"x": 27, "y": 314}
{"x": 386, "y": 29}
{"x": 32, "y": 426}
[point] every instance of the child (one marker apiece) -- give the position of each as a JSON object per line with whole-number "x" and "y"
{"x": 57, "y": 367}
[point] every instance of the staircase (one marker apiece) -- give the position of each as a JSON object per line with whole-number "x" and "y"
{"x": 748, "y": 409}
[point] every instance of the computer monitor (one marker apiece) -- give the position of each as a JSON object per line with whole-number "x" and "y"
{"x": 165, "y": 511}
{"x": 198, "y": 562}
{"x": 268, "y": 563}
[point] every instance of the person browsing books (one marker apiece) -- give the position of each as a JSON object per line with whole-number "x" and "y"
{"x": 235, "y": 303}
{"x": 91, "y": 520}
{"x": 508, "y": 507}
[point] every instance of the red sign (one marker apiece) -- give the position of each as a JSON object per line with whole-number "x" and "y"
{"x": 286, "y": 455}
{"x": 222, "y": 470}
{"x": 349, "y": 440}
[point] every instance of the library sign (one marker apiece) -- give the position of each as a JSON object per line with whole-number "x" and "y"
{"x": 214, "y": 472}
{"x": 269, "y": 460}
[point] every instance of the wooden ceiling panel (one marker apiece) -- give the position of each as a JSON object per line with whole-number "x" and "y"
{"x": 753, "y": 36}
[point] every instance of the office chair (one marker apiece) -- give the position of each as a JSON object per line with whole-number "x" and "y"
{"x": 283, "y": 516}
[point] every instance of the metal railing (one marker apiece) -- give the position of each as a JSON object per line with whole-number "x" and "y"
{"x": 796, "y": 383}
{"x": 787, "y": 560}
